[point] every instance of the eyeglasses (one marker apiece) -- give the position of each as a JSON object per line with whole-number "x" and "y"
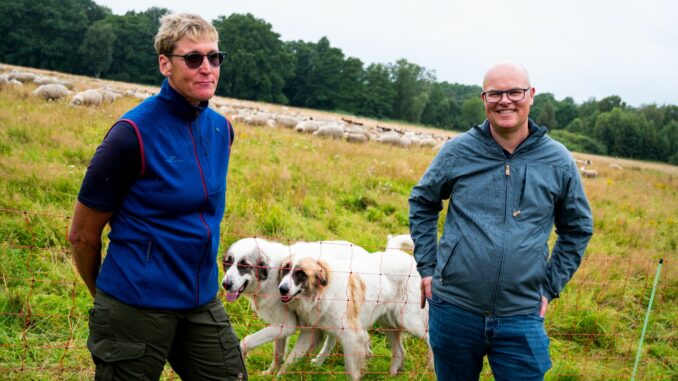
{"x": 494, "y": 96}
{"x": 195, "y": 60}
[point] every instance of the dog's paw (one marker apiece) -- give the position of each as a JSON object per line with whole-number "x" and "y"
{"x": 318, "y": 360}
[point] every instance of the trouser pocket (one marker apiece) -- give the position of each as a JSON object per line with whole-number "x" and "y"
{"x": 116, "y": 359}
{"x": 233, "y": 359}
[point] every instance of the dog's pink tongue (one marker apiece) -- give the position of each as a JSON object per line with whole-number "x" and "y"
{"x": 231, "y": 296}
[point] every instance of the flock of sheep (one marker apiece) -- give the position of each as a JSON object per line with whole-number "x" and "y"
{"x": 54, "y": 89}
{"x": 332, "y": 128}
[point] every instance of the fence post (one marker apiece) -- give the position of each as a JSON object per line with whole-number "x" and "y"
{"x": 647, "y": 318}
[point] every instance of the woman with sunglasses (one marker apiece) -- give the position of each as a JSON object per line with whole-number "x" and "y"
{"x": 159, "y": 180}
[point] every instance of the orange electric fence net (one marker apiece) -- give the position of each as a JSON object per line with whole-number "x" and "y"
{"x": 595, "y": 326}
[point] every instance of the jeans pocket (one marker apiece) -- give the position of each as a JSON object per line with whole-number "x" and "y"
{"x": 539, "y": 346}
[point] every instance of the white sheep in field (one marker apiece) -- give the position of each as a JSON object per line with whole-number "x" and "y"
{"x": 589, "y": 173}
{"x": 402, "y": 242}
{"x": 333, "y": 131}
{"x": 394, "y": 138}
{"x": 108, "y": 96}
{"x": 257, "y": 119}
{"x": 44, "y": 80}
{"x": 22, "y": 76}
{"x": 352, "y": 137}
{"x": 87, "y": 98}
{"x": 52, "y": 91}
{"x": 307, "y": 126}
{"x": 286, "y": 121}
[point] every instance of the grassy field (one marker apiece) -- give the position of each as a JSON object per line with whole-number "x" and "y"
{"x": 288, "y": 186}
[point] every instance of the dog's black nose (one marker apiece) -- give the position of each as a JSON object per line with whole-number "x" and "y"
{"x": 283, "y": 289}
{"x": 227, "y": 284}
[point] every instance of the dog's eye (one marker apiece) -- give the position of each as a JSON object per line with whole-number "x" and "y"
{"x": 228, "y": 261}
{"x": 300, "y": 275}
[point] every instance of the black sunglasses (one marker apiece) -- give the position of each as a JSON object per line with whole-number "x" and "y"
{"x": 194, "y": 60}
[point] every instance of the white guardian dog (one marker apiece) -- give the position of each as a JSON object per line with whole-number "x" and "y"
{"x": 346, "y": 298}
{"x": 251, "y": 267}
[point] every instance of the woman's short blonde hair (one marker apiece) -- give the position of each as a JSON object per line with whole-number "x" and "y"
{"x": 176, "y": 26}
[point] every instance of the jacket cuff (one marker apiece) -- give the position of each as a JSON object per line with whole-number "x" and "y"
{"x": 426, "y": 272}
{"x": 549, "y": 295}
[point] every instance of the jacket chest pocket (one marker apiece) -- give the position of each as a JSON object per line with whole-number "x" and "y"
{"x": 535, "y": 193}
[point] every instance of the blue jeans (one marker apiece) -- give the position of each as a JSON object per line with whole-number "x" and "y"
{"x": 517, "y": 347}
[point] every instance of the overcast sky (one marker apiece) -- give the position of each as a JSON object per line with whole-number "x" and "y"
{"x": 576, "y": 48}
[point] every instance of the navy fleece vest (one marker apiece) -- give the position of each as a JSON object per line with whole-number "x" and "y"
{"x": 165, "y": 236}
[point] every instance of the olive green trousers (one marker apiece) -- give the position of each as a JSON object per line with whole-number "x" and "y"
{"x": 130, "y": 343}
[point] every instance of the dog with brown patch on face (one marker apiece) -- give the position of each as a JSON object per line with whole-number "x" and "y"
{"x": 346, "y": 298}
{"x": 251, "y": 268}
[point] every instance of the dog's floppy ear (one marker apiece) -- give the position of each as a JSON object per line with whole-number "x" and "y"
{"x": 262, "y": 270}
{"x": 323, "y": 273}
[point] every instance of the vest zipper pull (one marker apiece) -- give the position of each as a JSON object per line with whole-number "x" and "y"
{"x": 507, "y": 169}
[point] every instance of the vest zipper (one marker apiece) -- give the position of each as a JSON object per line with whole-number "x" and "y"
{"x": 202, "y": 217}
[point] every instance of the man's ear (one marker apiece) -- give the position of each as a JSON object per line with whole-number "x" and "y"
{"x": 165, "y": 65}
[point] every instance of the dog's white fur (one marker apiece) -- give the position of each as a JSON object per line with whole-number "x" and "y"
{"x": 401, "y": 242}
{"x": 257, "y": 278}
{"x": 346, "y": 298}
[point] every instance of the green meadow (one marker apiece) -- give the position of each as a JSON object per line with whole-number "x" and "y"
{"x": 289, "y": 186}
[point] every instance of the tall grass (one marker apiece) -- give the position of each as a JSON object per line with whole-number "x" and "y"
{"x": 289, "y": 186}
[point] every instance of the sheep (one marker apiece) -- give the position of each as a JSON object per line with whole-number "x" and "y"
{"x": 333, "y": 131}
{"x": 51, "y": 92}
{"x": 21, "y": 76}
{"x": 43, "y": 80}
{"x": 108, "y": 96}
{"x": 589, "y": 173}
{"x": 356, "y": 138}
{"x": 616, "y": 166}
{"x": 286, "y": 121}
{"x": 259, "y": 119}
{"x": 87, "y": 98}
{"x": 394, "y": 138}
{"x": 427, "y": 142}
{"x": 225, "y": 110}
{"x": 307, "y": 126}
{"x": 4, "y": 79}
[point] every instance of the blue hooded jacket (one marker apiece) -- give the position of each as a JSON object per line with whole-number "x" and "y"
{"x": 493, "y": 256}
{"x": 164, "y": 237}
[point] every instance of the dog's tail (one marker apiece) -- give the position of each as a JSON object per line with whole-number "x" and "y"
{"x": 402, "y": 242}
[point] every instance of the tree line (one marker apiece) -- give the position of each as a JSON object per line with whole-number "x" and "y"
{"x": 82, "y": 37}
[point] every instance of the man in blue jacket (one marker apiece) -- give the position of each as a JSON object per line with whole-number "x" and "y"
{"x": 159, "y": 180}
{"x": 490, "y": 278}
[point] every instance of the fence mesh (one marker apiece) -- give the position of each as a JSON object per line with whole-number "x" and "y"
{"x": 594, "y": 327}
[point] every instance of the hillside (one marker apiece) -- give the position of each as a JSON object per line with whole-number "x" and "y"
{"x": 290, "y": 186}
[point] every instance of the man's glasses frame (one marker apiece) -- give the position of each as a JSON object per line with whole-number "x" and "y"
{"x": 495, "y": 96}
{"x": 195, "y": 60}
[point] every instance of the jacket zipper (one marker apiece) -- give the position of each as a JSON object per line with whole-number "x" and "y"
{"x": 202, "y": 217}
{"x": 507, "y": 173}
